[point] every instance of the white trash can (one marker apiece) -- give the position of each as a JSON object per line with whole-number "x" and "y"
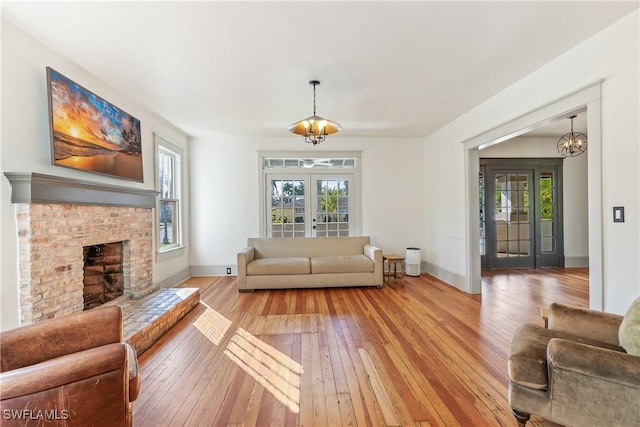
{"x": 412, "y": 261}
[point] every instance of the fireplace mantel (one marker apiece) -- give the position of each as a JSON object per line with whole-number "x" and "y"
{"x": 30, "y": 187}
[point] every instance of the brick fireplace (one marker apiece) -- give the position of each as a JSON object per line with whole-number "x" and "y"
{"x": 58, "y": 217}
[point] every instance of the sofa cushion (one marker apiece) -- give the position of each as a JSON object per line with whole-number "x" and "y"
{"x": 527, "y": 363}
{"x": 341, "y": 264}
{"x": 271, "y": 266}
{"x": 629, "y": 332}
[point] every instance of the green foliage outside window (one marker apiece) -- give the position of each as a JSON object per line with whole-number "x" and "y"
{"x": 546, "y": 198}
{"x": 283, "y": 201}
{"x": 330, "y": 202}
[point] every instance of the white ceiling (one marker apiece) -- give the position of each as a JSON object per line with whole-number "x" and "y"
{"x": 562, "y": 125}
{"x": 399, "y": 69}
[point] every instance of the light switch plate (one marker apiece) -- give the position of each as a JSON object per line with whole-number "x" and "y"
{"x": 618, "y": 214}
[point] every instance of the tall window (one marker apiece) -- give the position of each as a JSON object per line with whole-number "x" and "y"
{"x": 168, "y": 183}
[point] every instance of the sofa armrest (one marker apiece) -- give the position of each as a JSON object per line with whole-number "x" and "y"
{"x": 64, "y": 370}
{"x": 585, "y": 323}
{"x": 371, "y": 252}
{"x": 616, "y": 367}
{"x": 245, "y": 256}
{"x": 57, "y": 337}
{"x": 375, "y": 254}
{"x": 134, "y": 372}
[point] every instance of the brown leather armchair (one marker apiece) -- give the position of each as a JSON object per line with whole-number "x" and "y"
{"x": 73, "y": 370}
{"x": 584, "y": 370}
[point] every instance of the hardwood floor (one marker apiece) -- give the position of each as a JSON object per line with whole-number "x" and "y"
{"x": 422, "y": 354}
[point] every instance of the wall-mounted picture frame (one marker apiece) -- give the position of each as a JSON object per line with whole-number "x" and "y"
{"x": 91, "y": 134}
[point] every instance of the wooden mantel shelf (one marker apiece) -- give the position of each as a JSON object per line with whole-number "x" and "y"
{"x": 29, "y": 187}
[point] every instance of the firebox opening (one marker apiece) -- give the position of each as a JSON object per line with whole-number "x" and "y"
{"x": 103, "y": 273}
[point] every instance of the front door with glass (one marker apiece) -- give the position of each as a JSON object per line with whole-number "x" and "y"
{"x": 521, "y": 213}
{"x": 310, "y": 205}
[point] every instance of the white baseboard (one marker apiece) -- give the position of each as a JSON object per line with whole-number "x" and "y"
{"x": 213, "y": 270}
{"x": 576, "y": 261}
{"x": 175, "y": 279}
{"x": 449, "y": 277}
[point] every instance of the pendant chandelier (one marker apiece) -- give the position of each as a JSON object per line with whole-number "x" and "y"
{"x": 572, "y": 144}
{"x": 314, "y": 128}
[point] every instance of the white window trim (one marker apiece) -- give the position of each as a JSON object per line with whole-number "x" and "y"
{"x": 160, "y": 142}
{"x": 356, "y": 173}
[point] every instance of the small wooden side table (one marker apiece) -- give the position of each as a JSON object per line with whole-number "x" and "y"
{"x": 393, "y": 261}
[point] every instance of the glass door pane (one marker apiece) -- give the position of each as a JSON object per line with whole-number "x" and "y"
{"x": 513, "y": 229}
{"x": 550, "y": 250}
{"x": 547, "y": 202}
{"x": 331, "y": 207}
{"x": 288, "y": 207}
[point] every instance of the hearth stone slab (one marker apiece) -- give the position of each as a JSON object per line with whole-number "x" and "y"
{"x": 145, "y": 320}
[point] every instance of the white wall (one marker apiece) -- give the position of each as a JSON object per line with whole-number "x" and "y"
{"x": 225, "y": 178}
{"x": 25, "y": 144}
{"x": 574, "y": 176}
{"x": 613, "y": 55}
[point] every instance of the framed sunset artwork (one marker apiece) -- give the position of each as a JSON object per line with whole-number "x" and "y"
{"x": 91, "y": 134}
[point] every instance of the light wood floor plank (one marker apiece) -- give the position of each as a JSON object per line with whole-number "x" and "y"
{"x": 422, "y": 354}
{"x": 379, "y": 390}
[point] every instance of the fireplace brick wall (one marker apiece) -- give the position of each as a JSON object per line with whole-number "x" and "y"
{"x": 50, "y": 241}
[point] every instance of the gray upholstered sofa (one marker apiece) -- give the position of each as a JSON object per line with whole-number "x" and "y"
{"x": 280, "y": 263}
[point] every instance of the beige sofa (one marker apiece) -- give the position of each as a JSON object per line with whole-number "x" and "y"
{"x": 315, "y": 262}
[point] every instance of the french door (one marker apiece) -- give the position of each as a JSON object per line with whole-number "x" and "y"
{"x": 309, "y": 205}
{"x": 511, "y": 222}
{"x": 521, "y": 213}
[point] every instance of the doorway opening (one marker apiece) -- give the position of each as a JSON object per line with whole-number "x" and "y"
{"x": 589, "y": 100}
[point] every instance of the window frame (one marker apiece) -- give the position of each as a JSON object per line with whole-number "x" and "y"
{"x": 162, "y": 144}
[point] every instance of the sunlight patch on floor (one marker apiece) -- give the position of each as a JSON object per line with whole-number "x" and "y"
{"x": 212, "y": 324}
{"x": 275, "y": 371}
